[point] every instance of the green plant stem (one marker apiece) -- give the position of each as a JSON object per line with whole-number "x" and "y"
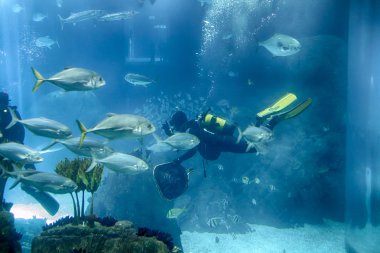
{"x": 82, "y": 214}
{"x": 75, "y": 207}
{"x": 78, "y": 205}
{"x": 92, "y": 204}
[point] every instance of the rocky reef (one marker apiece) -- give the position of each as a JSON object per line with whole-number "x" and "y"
{"x": 122, "y": 237}
{"x": 9, "y": 238}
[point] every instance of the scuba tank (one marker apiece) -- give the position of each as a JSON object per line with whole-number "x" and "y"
{"x": 216, "y": 124}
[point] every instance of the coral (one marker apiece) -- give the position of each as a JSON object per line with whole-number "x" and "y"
{"x": 60, "y": 222}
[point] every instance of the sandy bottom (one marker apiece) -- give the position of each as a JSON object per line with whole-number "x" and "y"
{"x": 312, "y": 239}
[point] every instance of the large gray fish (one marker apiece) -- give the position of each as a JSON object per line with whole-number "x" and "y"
{"x": 281, "y": 45}
{"x": 72, "y": 79}
{"x": 88, "y": 148}
{"x": 120, "y": 162}
{"x": 118, "y": 16}
{"x": 81, "y": 16}
{"x": 20, "y": 153}
{"x": 119, "y": 126}
{"x": 138, "y": 80}
{"x": 42, "y": 126}
{"x": 44, "y": 181}
{"x": 178, "y": 141}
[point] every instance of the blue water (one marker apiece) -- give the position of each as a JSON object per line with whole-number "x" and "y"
{"x": 204, "y": 57}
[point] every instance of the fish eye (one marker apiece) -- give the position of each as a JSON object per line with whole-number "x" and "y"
{"x": 100, "y": 79}
{"x": 149, "y": 126}
{"x": 279, "y": 44}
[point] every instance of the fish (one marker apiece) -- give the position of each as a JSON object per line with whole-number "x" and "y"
{"x": 38, "y": 17}
{"x": 174, "y": 213}
{"x": 72, "y": 79}
{"x": 138, "y": 80}
{"x": 162, "y": 26}
{"x": 256, "y": 180}
{"x": 59, "y": 3}
{"x": 121, "y": 162}
{"x": 215, "y": 222}
{"x": 205, "y": 2}
{"x": 81, "y": 16}
{"x": 245, "y": 180}
{"x": 45, "y": 41}
{"x": 281, "y": 45}
{"x": 88, "y": 148}
{"x": 178, "y": 141}
{"x": 16, "y": 8}
{"x": 20, "y": 153}
{"x": 118, "y": 16}
{"x": 44, "y": 181}
{"x": 255, "y": 134}
{"x": 117, "y": 126}
{"x": 42, "y": 126}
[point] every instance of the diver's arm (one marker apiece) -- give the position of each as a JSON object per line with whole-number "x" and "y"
{"x": 186, "y": 155}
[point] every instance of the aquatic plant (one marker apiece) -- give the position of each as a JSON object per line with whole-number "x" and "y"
{"x": 76, "y": 171}
{"x": 161, "y": 236}
{"x": 107, "y": 221}
{"x": 60, "y": 222}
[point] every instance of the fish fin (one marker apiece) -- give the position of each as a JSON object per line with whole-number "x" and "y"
{"x": 83, "y": 131}
{"x": 18, "y": 180}
{"x": 92, "y": 165}
{"x": 156, "y": 137}
{"x": 14, "y": 120}
{"x": 61, "y": 20}
{"x": 39, "y": 81}
{"x": 110, "y": 114}
{"x": 50, "y": 150}
{"x": 50, "y": 145}
{"x": 239, "y": 136}
{"x": 57, "y": 44}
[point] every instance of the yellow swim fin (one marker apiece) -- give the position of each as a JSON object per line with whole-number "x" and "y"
{"x": 273, "y": 120}
{"x": 279, "y": 105}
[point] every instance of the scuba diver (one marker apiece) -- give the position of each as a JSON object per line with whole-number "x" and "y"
{"x": 216, "y": 135}
{"x": 16, "y": 133}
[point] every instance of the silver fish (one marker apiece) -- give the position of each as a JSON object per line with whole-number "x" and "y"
{"x": 45, "y": 41}
{"x": 81, "y": 16}
{"x": 88, "y": 148}
{"x": 20, "y": 153}
{"x": 59, "y": 3}
{"x": 182, "y": 141}
{"x": 118, "y": 16}
{"x": 42, "y": 126}
{"x": 38, "y": 17}
{"x": 281, "y": 45}
{"x": 16, "y": 8}
{"x": 255, "y": 134}
{"x": 120, "y": 162}
{"x": 160, "y": 147}
{"x": 71, "y": 79}
{"x": 119, "y": 126}
{"x": 138, "y": 80}
{"x": 44, "y": 181}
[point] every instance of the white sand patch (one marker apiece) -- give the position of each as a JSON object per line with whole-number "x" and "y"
{"x": 328, "y": 237}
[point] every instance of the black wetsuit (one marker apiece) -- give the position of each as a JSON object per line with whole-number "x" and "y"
{"x": 212, "y": 144}
{"x": 16, "y": 133}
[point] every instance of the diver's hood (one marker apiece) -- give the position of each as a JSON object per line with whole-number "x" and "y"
{"x": 171, "y": 179}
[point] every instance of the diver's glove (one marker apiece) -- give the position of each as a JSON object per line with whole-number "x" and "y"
{"x": 167, "y": 129}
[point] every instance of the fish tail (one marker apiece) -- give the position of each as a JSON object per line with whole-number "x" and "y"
{"x": 92, "y": 165}
{"x": 14, "y": 119}
{"x": 83, "y": 131}
{"x": 15, "y": 184}
{"x": 39, "y": 81}
{"x": 61, "y": 20}
{"x": 239, "y": 136}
